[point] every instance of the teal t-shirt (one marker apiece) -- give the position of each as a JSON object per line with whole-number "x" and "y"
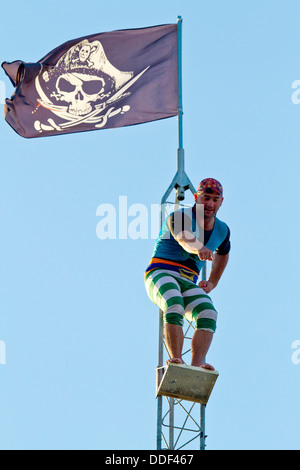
{"x": 166, "y": 247}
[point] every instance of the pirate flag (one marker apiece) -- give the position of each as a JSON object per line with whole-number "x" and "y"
{"x": 101, "y": 81}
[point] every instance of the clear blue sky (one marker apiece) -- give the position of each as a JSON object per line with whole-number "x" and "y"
{"x": 81, "y": 334}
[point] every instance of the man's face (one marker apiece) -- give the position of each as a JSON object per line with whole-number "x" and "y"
{"x": 211, "y": 203}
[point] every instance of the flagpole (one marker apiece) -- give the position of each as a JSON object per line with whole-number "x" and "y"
{"x": 177, "y": 183}
{"x": 180, "y": 150}
{"x": 180, "y": 191}
{"x": 181, "y": 183}
{"x": 180, "y": 104}
{"x": 180, "y": 195}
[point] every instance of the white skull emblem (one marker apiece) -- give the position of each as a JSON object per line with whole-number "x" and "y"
{"x": 79, "y": 90}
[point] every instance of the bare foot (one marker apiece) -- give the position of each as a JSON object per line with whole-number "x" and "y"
{"x": 207, "y": 366}
{"x": 175, "y": 360}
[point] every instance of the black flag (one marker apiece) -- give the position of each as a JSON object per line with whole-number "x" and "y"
{"x": 101, "y": 81}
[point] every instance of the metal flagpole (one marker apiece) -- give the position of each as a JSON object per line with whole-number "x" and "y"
{"x": 181, "y": 183}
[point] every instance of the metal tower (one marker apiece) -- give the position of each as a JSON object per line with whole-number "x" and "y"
{"x": 180, "y": 423}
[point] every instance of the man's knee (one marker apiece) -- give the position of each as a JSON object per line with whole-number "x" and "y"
{"x": 206, "y": 324}
{"x": 174, "y": 315}
{"x": 174, "y": 319}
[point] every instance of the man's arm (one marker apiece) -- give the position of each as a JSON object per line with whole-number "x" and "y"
{"x": 217, "y": 268}
{"x": 182, "y": 232}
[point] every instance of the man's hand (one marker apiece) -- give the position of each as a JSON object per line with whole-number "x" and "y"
{"x": 207, "y": 286}
{"x": 217, "y": 268}
{"x": 205, "y": 254}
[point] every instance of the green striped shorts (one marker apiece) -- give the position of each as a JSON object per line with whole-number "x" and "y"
{"x": 178, "y": 297}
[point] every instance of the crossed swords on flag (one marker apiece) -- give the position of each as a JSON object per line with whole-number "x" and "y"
{"x": 92, "y": 117}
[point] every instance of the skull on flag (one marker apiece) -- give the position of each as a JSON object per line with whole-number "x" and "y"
{"x": 82, "y": 87}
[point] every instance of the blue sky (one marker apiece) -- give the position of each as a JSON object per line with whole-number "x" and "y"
{"x": 81, "y": 335}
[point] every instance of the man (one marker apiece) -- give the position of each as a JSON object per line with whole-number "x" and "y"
{"x": 188, "y": 238}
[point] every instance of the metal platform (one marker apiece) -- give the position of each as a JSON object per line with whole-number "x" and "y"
{"x": 186, "y": 382}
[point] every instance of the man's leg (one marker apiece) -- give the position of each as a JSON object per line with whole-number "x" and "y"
{"x": 200, "y": 344}
{"x": 174, "y": 339}
{"x": 164, "y": 290}
{"x": 199, "y": 307}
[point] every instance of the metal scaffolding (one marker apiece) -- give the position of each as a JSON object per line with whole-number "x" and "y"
{"x": 180, "y": 423}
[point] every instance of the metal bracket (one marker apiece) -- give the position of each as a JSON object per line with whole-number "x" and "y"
{"x": 180, "y": 182}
